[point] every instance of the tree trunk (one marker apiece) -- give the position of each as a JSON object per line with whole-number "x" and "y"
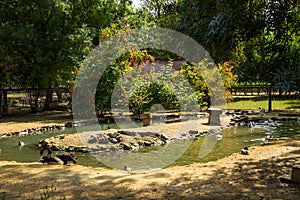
{"x": 280, "y": 92}
{"x": 59, "y": 95}
{"x": 34, "y": 98}
{"x": 48, "y": 99}
{"x": 5, "y": 103}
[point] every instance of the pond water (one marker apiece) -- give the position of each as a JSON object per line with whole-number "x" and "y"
{"x": 233, "y": 140}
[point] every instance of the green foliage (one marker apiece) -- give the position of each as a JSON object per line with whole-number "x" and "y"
{"x": 159, "y": 86}
{"x": 262, "y": 42}
{"x": 145, "y": 97}
{"x": 270, "y": 55}
{"x": 49, "y": 193}
{"x": 195, "y": 79}
{"x": 287, "y": 80}
{"x": 214, "y": 24}
{"x": 117, "y": 69}
{"x": 229, "y": 78}
{"x": 43, "y": 43}
{"x": 163, "y": 13}
{"x": 257, "y": 83}
{"x": 48, "y": 40}
{"x": 42, "y": 36}
{"x": 184, "y": 90}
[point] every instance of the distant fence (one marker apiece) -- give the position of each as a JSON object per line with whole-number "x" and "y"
{"x": 250, "y": 90}
{"x": 25, "y": 100}
{"x": 257, "y": 90}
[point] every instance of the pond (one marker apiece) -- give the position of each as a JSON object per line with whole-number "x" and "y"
{"x": 233, "y": 140}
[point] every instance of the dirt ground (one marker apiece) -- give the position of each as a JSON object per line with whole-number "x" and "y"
{"x": 22, "y": 120}
{"x": 254, "y": 176}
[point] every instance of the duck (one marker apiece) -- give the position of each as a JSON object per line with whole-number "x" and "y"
{"x": 219, "y": 136}
{"x": 242, "y": 123}
{"x": 125, "y": 168}
{"x": 245, "y": 151}
{"x": 20, "y": 143}
{"x": 75, "y": 124}
{"x": 22, "y": 133}
{"x": 251, "y": 124}
{"x": 261, "y": 111}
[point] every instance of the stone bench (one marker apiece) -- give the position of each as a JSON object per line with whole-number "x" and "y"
{"x": 294, "y": 176}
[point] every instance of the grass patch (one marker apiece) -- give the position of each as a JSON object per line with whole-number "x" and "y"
{"x": 253, "y": 103}
{"x": 48, "y": 193}
{"x": 17, "y": 95}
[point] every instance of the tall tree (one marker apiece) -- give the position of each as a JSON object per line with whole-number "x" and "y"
{"x": 261, "y": 36}
{"x": 270, "y": 56}
{"x": 48, "y": 39}
{"x": 220, "y": 25}
{"x": 164, "y": 12}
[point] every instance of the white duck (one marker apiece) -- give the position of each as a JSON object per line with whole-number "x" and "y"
{"x": 219, "y": 136}
{"x": 125, "y": 168}
{"x": 20, "y": 143}
{"x": 245, "y": 151}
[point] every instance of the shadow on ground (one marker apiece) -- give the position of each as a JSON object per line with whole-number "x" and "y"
{"x": 21, "y": 116}
{"x": 245, "y": 179}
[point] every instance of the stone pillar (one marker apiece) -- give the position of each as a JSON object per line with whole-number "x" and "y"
{"x": 270, "y": 98}
{"x": 295, "y": 176}
{"x": 146, "y": 119}
{"x": 214, "y": 116}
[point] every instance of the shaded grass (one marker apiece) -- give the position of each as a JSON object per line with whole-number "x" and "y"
{"x": 253, "y": 103}
{"x": 17, "y": 95}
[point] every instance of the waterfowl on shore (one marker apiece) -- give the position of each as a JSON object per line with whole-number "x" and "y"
{"x": 60, "y": 158}
{"x": 245, "y": 151}
{"x": 261, "y": 111}
{"x": 251, "y": 124}
{"x": 219, "y": 136}
{"x": 23, "y": 133}
{"x": 75, "y": 124}
{"x": 20, "y": 143}
{"x": 125, "y": 168}
{"x": 242, "y": 123}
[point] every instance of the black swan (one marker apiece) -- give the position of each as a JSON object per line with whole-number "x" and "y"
{"x": 59, "y": 158}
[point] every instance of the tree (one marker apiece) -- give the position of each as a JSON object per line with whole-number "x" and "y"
{"x": 220, "y": 25}
{"x": 163, "y": 12}
{"x": 270, "y": 56}
{"x": 6, "y": 74}
{"x": 260, "y": 36}
{"x": 47, "y": 40}
{"x": 117, "y": 69}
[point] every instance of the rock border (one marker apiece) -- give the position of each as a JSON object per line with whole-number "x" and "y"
{"x": 38, "y": 130}
{"x": 120, "y": 140}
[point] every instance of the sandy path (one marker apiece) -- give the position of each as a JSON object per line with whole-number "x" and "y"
{"x": 254, "y": 176}
{"x": 20, "y": 122}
